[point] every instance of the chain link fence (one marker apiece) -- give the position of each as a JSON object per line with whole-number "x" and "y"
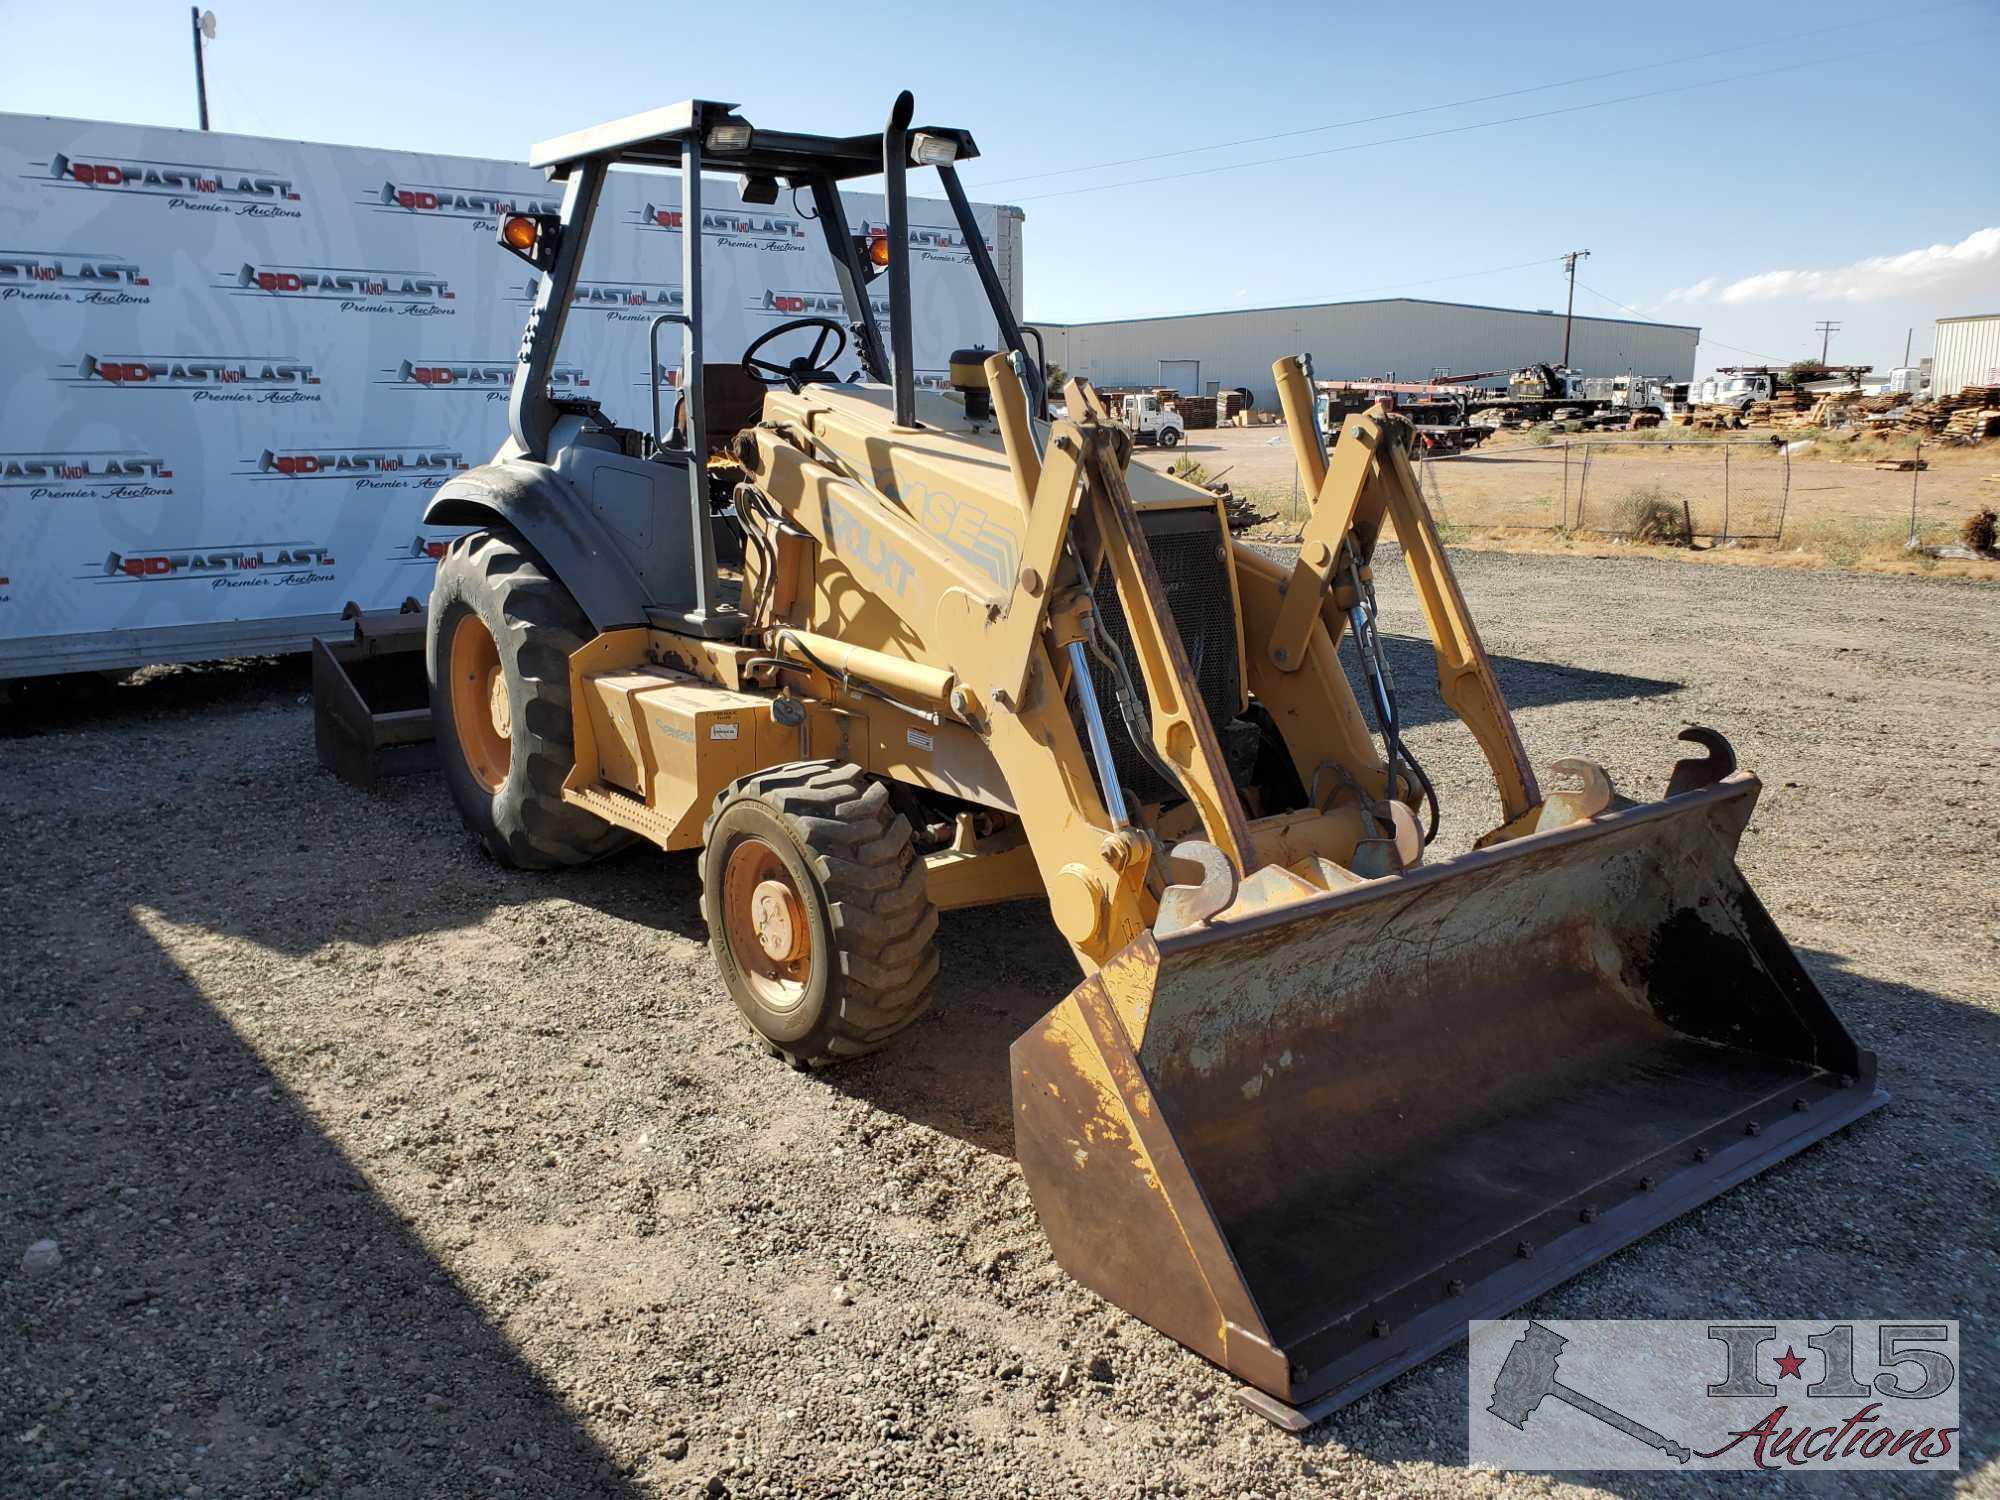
{"x": 1723, "y": 490}
{"x": 1804, "y": 492}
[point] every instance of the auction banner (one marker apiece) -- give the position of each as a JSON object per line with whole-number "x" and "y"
{"x": 233, "y": 368}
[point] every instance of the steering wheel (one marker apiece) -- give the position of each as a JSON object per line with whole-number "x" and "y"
{"x": 813, "y": 368}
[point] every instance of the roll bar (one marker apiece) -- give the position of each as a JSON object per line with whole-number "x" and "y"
{"x": 698, "y": 133}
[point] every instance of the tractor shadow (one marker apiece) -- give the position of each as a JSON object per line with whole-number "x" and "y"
{"x": 1524, "y": 682}
{"x": 1001, "y": 968}
{"x": 236, "y": 1308}
{"x": 230, "y": 745}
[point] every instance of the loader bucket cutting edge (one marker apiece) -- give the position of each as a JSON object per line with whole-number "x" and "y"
{"x": 1312, "y": 1142}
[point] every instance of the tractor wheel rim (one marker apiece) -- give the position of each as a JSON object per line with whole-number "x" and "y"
{"x": 480, "y": 711}
{"x": 765, "y": 920}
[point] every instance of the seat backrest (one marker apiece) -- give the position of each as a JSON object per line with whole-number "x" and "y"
{"x": 731, "y": 400}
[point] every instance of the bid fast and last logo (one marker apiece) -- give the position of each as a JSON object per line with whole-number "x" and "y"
{"x": 731, "y": 229}
{"x": 277, "y": 380}
{"x": 183, "y": 186}
{"x": 492, "y": 378}
{"x": 798, "y": 302}
{"x": 619, "y": 301}
{"x": 85, "y": 475}
{"x": 479, "y": 208}
{"x": 426, "y": 550}
{"x": 41, "y": 276}
{"x": 367, "y": 467}
{"x": 931, "y": 242}
{"x": 240, "y": 565}
{"x": 350, "y": 289}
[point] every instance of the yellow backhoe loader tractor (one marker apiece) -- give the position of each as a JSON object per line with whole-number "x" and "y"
{"x": 1316, "y": 1101}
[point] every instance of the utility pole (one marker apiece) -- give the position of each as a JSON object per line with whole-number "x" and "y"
{"x": 1569, "y": 311}
{"x": 1907, "y": 337}
{"x": 1826, "y": 331}
{"x": 203, "y": 23}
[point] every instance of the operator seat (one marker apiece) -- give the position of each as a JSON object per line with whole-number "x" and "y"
{"x": 731, "y": 400}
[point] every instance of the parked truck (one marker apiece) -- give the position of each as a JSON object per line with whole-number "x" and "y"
{"x": 1538, "y": 393}
{"x": 1739, "y": 387}
{"x": 1151, "y": 419}
{"x": 1649, "y": 393}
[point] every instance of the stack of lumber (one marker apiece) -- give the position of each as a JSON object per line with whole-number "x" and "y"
{"x": 1828, "y": 411}
{"x": 1959, "y": 416}
{"x": 1923, "y": 418}
{"x": 1197, "y": 411}
{"x": 1974, "y": 422}
{"x": 1789, "y": 402}
{"x": 1228, "y": 404}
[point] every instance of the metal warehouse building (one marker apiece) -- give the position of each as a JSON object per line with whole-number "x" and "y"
{"x": 1199, "y": 353}
{"x": 1967, "y": 352}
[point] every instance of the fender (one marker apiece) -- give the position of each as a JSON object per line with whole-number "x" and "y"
{"x": 555, "y": 521}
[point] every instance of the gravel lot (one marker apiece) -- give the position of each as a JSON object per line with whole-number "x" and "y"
{"x": 379, "y": 1171}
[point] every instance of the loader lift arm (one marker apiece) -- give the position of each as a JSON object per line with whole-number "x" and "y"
{"x": 1370, "y": 479}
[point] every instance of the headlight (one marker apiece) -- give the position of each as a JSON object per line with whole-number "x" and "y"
{"x": 730, "y": 136}
{"x": 928, "y": 150}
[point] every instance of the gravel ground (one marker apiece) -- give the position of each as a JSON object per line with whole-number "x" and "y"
{"x": 378, "y": 1171}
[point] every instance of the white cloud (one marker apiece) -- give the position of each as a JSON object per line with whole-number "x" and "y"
{"x": 1699, "y": 292}
{"x": 1867, "y": 280}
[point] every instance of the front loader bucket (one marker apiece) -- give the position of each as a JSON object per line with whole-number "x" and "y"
{"x": 1311, "y": 1141}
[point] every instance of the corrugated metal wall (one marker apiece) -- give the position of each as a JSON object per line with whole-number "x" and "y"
{"x": 1007, "y": 262}
{"x": 1967, "y": 353}
{"x": 1363, "y": 339}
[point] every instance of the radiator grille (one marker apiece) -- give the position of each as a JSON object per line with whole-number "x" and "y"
{"x": 1191, "y": 554}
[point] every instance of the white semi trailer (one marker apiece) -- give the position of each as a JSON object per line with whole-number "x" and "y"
{"x": 231, "y": 367}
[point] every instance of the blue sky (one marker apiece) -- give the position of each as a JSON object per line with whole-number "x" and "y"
{"x": 1792, "y": 163}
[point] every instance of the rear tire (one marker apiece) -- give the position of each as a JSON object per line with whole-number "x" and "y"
{"x": 818, "y": 913}
{"x": 501, "y": 633}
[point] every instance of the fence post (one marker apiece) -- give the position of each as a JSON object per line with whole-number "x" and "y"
{"x": 1582, "y": 486}
{"x": 1785, "y": 495}
{"x": 1726, "y": 445}
{"x": 1562, "y": 515}
{"x": 1916, "y": 468}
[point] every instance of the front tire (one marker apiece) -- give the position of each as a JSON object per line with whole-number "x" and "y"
{"x": 1170, "y": 439}
{"x": 500, "y": 637}
{"x": 818, "y": 913}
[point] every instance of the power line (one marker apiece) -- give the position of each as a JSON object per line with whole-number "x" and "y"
{"x": 1626, "y": 307}
{"x": 1400, "y": 114}
{"x": 1425, "y": 135}
{"x": 1635, "y": 312}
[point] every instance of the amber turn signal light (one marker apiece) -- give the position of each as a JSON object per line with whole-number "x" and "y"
{"x": 519, "y": 233}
